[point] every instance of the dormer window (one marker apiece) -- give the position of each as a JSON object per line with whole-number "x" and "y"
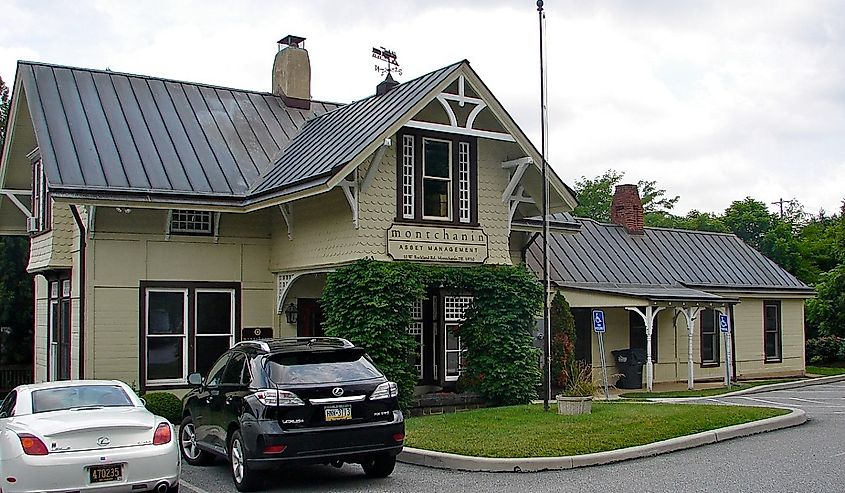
{"x": 436, "y": 178}
{"x": 191, "y": 222}
{"x": 41, "y": 218}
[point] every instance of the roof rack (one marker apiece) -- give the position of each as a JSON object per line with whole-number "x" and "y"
{"x": 261, "y": 344}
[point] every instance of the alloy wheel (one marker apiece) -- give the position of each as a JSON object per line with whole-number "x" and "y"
{"x": 237, "y": 461}
{"x": 189, "y": 442}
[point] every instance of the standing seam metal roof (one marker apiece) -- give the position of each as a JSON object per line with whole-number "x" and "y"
{"x": 605, "y": 256}
{"x": 103, "y": 130}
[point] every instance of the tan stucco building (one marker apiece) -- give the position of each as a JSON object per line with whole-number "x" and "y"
{"x": 169, "y": 219}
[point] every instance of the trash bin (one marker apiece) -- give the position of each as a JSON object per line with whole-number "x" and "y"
{"x": 630, "y": 363}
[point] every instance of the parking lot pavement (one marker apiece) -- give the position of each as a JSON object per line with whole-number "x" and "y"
{"x": 808, "y": 458}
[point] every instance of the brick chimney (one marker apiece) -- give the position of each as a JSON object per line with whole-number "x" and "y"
{"x": 292, "y": 73}
{"x": 627, "y": 209}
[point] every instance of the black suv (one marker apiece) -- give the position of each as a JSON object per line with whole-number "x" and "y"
{"x": 273, "y": 402}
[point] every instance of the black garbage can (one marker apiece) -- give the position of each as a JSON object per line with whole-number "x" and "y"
{"x": 630, "y": 363}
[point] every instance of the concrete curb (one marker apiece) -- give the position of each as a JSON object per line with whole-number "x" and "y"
{"x": 759, "y": 389}
{"x": 441, "y": 460}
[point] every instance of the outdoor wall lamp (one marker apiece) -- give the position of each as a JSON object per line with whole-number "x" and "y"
{"x": 290, "y": 313}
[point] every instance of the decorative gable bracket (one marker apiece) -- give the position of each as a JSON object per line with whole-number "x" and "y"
{"x": 514, "y": 193}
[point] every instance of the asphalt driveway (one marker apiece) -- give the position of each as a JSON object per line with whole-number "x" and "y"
{"x": 809, "y": 458}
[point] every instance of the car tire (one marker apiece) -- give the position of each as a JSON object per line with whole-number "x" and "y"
{"x": 380, "y": 466}
{"x": 173, "y": 489}
{"x": 245, "y": 478}
{"x": 192, "y": 454}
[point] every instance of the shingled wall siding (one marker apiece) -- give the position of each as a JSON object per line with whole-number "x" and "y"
{"x": 53, "y": 249}
{"x": 492, "y": 212}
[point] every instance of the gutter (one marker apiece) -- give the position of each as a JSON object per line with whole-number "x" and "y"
{"x": 82, "y": 285}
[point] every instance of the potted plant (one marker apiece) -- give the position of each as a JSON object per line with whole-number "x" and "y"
{"x": 576, "y": 397}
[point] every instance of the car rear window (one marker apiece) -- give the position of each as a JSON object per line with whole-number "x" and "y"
{"x": 320, "y": 367}
{"x": 79, "y": 396}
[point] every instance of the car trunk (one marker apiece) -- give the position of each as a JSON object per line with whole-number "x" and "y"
{"x": 92, "y": 429}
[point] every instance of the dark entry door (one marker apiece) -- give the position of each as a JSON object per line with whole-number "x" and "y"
{"x": 583, "y": 334}
{"x": 309, "y": 318}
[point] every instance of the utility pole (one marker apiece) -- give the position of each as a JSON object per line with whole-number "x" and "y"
{"x": 780, "y": 202}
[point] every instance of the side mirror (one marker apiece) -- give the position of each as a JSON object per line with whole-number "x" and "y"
{"x": 195, "y": 380}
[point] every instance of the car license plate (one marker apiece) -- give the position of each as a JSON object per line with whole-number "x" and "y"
{"x": 105, "y": 474}
{"x": 338, "y": 413}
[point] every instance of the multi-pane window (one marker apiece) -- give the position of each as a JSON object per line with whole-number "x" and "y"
{"x": 772, "y": 330}
{"x": 416, "y": 330}
{"x": 436, "y": 178}
{"x": 186, "y": 329}
{"x": 408, "y": 195}
{"x": 184, "y": 221}
{"x": 454, "y": 309}
{"x": 709, "y": 337}
{"x": 463, "y": 182}
{"x": 41, "y": 200}
{"x": 58, "y": 332}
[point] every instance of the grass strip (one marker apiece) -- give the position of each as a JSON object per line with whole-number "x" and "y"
{"x": 528, "y": 431}
{"x": 702, "y": 392}
{"x": 826, "y": 370}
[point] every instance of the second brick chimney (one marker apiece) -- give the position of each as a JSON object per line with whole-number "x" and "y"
{"x": 627, "y": 209}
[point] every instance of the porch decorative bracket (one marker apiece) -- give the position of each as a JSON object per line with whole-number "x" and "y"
{"x": 648, "y": 317}
{"x": 288, "y": 216}
{"x": 519, "y": 166}
{"x": 217, "y": 226}
{"x": 374, "y": 164}
{"x": 92, "y": 213}
{"x": 11, "y": 195}
{"x": 350, "y": 190}
{"x": 167, "y": 224}
{"x": 690, "y": 314}
{"x": 514, "y": 200}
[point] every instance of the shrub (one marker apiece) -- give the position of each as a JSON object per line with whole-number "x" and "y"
{"x": 579, "y": 380}
{"x": 825, "y": 349}
{"x": 563, "y": 340}
{"x": 166, "y": 405}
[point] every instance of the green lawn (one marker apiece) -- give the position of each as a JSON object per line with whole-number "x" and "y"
{"x": 826, "y": 370}
{"x": 528, "y": 431}
{"x": 702, "y": 392}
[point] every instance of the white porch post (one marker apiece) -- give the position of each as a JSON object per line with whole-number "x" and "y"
{"x": 690, "y": 314}
{"x": 648, "y": 317}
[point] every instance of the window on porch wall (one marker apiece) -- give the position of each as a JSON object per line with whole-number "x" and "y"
{"x": 416, "y": 330}
{"x": 709, "y": 337}
{"x": 454, "y": 309}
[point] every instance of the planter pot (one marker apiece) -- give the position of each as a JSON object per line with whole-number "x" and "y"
{"x": 574, "y": 405}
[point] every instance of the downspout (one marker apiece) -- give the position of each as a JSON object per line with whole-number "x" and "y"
{"x": 82, "y": 285}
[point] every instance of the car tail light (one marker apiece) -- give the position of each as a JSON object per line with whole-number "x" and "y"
{"x": 385, "y": 391}
{"x": 275, "y": 449}
{"x": 32, "y": 445}
{"x": 162, "y": 435}
{"x": 273, "y": 398}
{"x": 398, "y": 437}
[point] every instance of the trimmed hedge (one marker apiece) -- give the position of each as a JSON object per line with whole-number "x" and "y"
{"x": 166, "y": 405}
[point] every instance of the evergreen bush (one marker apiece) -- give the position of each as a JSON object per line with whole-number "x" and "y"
{"x": 165, "y": 405}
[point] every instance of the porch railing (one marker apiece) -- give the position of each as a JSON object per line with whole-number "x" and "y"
{"x": 13, "y": 375}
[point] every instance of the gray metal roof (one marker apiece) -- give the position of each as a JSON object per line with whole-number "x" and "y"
{"x": 109, "y": 131}
{"x": 335, "y": 138}
{"x": 605, "y": 257}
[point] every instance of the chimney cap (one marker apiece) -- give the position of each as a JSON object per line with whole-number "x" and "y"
{"x": 291, "y": 40}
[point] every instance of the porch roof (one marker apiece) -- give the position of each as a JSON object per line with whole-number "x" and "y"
{"x": 653, "y": 294}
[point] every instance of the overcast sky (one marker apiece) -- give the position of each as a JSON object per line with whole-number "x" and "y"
{"x": 715, "y": 100}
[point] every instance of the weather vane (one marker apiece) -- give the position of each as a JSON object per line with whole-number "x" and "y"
{"x": 389, "y": 57}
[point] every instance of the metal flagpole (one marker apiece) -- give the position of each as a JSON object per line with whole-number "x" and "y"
{"x": 547, "y": 336}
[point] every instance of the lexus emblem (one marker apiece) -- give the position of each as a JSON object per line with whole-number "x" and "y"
{"x": 103, "y": 441}
{"x": 337, "y": 391}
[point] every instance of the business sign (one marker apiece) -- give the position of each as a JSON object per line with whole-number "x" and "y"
{"x": 436, "y": 244}
{"x": 598, "y": 321}
{"x": 724, "y": 326}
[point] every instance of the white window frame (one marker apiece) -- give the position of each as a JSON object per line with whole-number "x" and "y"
{"x": 232, "y": 323}
{"x": 147, "y": 335}
{"x": 40, "y": 196}
{"x": 449, "y": 205}
{"x": 416, "y": 330}
{"x": 464, "y": 198}
{"x": 408, "y": 178}
{"x": 454, "y": 310}
{"x": 175, "y": 217}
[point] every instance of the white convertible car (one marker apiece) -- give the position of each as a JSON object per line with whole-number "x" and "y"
{"x": 92, "y": 435}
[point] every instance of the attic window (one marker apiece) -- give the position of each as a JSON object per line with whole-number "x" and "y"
{"x": 190, "y": 222}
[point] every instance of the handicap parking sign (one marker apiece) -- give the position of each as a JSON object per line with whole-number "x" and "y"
{"x": 598, "y": 321}
{"x": 723, "y": 324}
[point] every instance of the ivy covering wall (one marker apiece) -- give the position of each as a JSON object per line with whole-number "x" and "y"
{"x": 369, "y": 303}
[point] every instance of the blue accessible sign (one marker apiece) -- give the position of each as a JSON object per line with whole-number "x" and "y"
{"x": 598, "y": 321}
{"x": 723, "y": 324}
